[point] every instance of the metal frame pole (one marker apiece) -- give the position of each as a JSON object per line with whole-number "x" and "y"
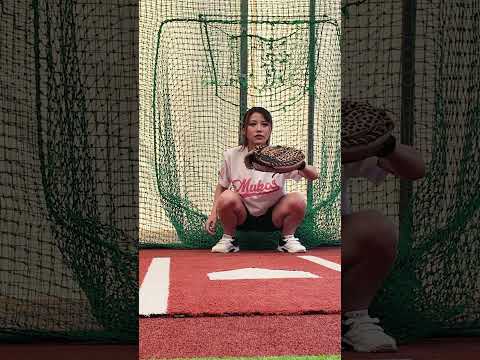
{"x": 407, "y": 61}
{"x": 311, "y": 93}
{"x": 243, "y": 76}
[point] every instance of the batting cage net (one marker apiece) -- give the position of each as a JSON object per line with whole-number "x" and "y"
{"x": 202, "y": 65}
{"x": 68, "y": 203}
{"x": 419, "y": 59}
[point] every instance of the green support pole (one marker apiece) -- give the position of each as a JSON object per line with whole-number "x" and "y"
{"x": 408, "y": 97}
{"x": 311, "y": 93}
{"x": 243, "y": 62}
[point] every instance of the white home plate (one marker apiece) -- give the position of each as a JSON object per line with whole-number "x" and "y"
{"x": 259, "y": 273}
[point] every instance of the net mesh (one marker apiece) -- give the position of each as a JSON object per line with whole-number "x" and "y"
{"x": 190, "y": 108}
{"x": 69, "y": 223}
{"x": 437, "y": 268}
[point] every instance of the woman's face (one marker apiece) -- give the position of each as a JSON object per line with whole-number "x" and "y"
{"x": 258, "y": 130}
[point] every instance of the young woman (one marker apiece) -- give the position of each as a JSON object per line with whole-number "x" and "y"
{"x": 369, "y": 245}
{"x": 247, "y": 199}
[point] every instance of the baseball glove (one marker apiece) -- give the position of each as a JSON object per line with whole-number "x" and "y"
{"x": 275, "y": 159}
{"x": 366, "y": 131}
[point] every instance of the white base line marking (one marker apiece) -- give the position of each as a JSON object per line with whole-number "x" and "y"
{"x": 323, "y": 262}
{"x": 259, "y": 273}
{"x": 153, "y": 294}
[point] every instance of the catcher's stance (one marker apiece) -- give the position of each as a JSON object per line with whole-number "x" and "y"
{"x": 369, "y": 239}
{"x": 251, "y": 195}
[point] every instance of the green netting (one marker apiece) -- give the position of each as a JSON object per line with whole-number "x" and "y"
{"x": 202, "y": 64}
{"x": 433, "y": 288}
{"x": 68, "y": 258}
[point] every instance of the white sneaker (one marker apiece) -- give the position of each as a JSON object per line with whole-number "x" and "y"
{"x": 363, "y": 335}
{"x": 292, "y": 245}
{"x": 226, "y": 245}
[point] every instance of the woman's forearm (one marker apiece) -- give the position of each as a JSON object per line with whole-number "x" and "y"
{"x": 405, "y": 162}
{"x": 310, "y": 172}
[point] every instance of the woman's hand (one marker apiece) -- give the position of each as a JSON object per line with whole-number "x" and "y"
{"x": 404, "y": 162}
{"x": 309, "y": 172}
{"x": 210, "y": 224}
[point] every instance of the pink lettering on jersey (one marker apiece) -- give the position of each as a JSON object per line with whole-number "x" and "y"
{"x": 246, "y": 189}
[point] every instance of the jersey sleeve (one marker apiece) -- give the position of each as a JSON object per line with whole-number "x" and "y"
{"x": 376, "y": 174}
{"x": 293, "y": 175}
{"x": 367, "y": 168}
{"x": 224, "y": 174}
{"x": 371, "y": 171}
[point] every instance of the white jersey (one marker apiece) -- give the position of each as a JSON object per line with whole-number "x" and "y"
{"x": 259, "y": 190}
{"x": 367, "y": 168}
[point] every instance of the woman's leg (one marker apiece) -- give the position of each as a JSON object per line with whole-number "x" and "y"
{"x": 369, "y": 246}
{"x": 231, "y": 211}
{"x": 289, "y": 212}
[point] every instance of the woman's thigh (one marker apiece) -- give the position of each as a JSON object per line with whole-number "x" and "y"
{"x": 364, "y": 234}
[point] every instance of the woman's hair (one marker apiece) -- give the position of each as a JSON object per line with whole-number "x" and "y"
{"x": 256, "y": 109}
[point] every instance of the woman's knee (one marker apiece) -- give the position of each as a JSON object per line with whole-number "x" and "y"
{"x": 367, "y": 233}
{"x": 228, "y": 200}
{"x": 383, "y": 237}
{"x": 297, "y": 203}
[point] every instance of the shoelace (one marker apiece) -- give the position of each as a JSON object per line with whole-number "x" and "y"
{"x": 224, "y": 241}
{"x": 293, "y": 241}
{"x": 364, "y": 324}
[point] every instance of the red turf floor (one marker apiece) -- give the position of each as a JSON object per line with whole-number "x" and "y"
{"x": 239, "y": 336}
{"x": 254, "y": 333}
{"x": 192, "y": 293}
{"x": 52, "y": 351}
{"x": 433, "y": 349}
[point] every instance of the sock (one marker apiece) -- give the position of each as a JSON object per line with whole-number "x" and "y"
{"x": 356, "y": 314}
{"x": 228, "y": 237}
{"x": 286, "y": 237}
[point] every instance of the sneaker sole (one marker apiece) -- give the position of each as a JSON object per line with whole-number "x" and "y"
{"x": 234, "y": 249}
{"x": 282, "y": 249}
{"x": 384, "y": 348}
